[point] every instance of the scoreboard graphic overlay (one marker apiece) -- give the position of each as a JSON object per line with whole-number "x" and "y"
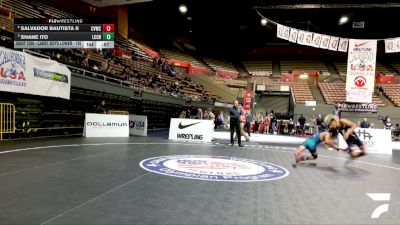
{"x": 63, "y": 33}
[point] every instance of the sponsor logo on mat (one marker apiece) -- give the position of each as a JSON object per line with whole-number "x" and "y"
{"x": 214, "y": 168}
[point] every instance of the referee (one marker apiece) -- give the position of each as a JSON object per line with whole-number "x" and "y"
{"x": 235, "y": 112}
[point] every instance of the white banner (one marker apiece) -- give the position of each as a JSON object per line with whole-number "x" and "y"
{"x": 333, "y": 43}
{"x": 293, "y": 35}
{"x": 301, "y": 37}
{"x": 309, "y": 38}
{"x": 389, "y": 46}
{"x": 375, "y": 140}
{"x": 360, "y": 79}
{"x": 106, "y": 125}
{"x": 343, "y": 44}
{"x": 397, "y": 45}
{"x": 310, "y": 103}
{"x": 191, "y": 130}
{"x": 325, "y": 39}
{"x": 316, "y": 40}
{"x": 138, "y": 125}
{"x": 23, "y": 73}
{"x": 283, "y": 32}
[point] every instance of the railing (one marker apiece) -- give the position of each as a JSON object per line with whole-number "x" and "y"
{"x": 7, "y": 119}
{"x": 116, "y": 112}
{"x": 103, "y": 77}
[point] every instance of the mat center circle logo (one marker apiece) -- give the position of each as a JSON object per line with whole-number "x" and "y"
{"x": 214, "y": 168}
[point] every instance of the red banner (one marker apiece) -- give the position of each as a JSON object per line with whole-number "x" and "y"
{"x": 385, "y": 79}
{"x": 227, "y": 74}
{"x": 178, "y": 63}
{"x": 197, "y": 70}
{"x": 247, "y": 100}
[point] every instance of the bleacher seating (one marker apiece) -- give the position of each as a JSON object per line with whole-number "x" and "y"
{"x": 142, "y": 76}
{"x": 341, "y": 67}
{"x": 231, "y": 82}
{"x": 396, "y": 65}
{"x": 181, "y": 56}
{"x": 302, "y": 92}
{"x": 287, "y": 66}
{"x": 130, "y": 45}
{"x": 220, "y": 65}
{"x": 22, "y": 9}
{"x": 392, "y": 91}
{"x": 50, "y": 11}
{"x": 7, "y": 23}
{"x": 336, "y": 92}
{"x": 258, "y": 68}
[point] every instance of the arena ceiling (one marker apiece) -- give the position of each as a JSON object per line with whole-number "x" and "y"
{"x": 234, "y": 26}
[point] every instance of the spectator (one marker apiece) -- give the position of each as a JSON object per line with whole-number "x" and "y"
{"x": 365, "y": 123}
{"x": 313, "y": 124}
{"x": 249, "y": 119}
{"x": 272, "y": 124}
{"x": 336, "y": 111}
{"x": 100, "y": 108}
{"x": 188, "y": 113}
{"x": 199, "y": 115}
{"x": 220, "y": 120}
{"x": 388, "y": 125}
{"x": 397, "y": 131}
{"x": 319, "y": 122}
{"x": 302, "y": 121}
{"x": 291, "y": 126}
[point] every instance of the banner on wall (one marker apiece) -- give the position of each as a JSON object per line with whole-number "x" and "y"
{"x": 375, "y": 140}
{"x": 301, "y": 37}
{"x": 333, "y": 43}
{"x": 191, "y": 130}
{"x": 23, "y": 73}
{"x": 360, "y": 79}
{"x": 358, "y": 107}
{"x": 138, "y": 125}
{"x": 343, "y": 44}
{"x": 247, "y": 100}
{"x": 325, "y": 39}
{"x": 283, "y": 32}
{"x": 316, "y": 40}
{"x": 293, "y": 35}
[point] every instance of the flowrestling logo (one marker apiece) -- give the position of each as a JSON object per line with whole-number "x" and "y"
{"x": 214, "y": 168}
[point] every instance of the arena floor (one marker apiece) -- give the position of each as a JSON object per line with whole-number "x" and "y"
{"x": 99, "y": 181}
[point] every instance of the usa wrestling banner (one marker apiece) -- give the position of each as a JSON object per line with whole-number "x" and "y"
{"x": 23, "y": 73}
{"x": 360, "y": 79}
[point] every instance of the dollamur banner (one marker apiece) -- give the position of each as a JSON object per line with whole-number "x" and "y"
{"x": 23, "y": 73}
{"x": 360, "y": 78}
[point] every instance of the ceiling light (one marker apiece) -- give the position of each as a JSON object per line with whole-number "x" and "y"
{"x": 183, "y": 9}
{"x": 264, "y": 21}
{"x": 343, "y": 20}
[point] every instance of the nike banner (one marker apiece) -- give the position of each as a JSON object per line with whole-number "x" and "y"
{"x": 191, "y": 130}
{"x": 360, "y": 79}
